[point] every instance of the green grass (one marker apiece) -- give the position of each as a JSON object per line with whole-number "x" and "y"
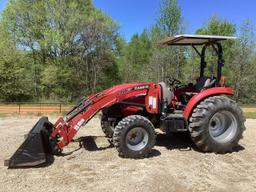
{"x": 3, "y": 115}
{"x": 250, "y": 115}
{"x": 247, "y": 105}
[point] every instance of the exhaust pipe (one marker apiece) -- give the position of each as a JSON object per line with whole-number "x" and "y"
{"x": 36, "y": 147}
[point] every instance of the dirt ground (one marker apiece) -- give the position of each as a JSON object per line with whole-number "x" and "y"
{"x": 175, "y": 164}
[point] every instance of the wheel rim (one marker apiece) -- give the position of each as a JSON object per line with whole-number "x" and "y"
{"x": 137, "y": 138}
{"x": 223, "y": 126}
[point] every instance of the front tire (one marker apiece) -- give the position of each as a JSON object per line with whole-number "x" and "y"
{"x": 216, "y": 125}
{"x": 134, "y": 137}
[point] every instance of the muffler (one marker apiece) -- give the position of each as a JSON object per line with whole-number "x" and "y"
{"x": 36, "y": 148}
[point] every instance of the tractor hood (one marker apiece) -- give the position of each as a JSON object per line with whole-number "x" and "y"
{"x": 126, "y": 86}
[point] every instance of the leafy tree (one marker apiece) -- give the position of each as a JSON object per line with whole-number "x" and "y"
{"x": 168, "y": 61}
{"x": 170, "y": 18}
{"x": 214, "y": 26}
{"x": 15, "y": 82}
{"x": 238, "y": 55}
{"x": 58, "y": 50}
{"x": 217, "y": 26}
{"x": 71, "y": 43}
{"x": 137, "y": 55}
{"x": 243, "y": 63}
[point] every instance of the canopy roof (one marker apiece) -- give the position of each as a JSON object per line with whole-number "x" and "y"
{"x": 193, "y": 39}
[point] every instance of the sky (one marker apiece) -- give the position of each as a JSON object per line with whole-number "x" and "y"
{"x": 134, "y": 16}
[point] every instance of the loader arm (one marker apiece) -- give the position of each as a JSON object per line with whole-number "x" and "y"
{"x": 66, "y": 128}
{"x": 46, "y": 138}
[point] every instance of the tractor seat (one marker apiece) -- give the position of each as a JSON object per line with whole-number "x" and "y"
{"x": 204, "y": 82}
{"x": 167, "y": 95}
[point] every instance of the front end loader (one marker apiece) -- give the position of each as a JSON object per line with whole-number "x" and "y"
{"x": 131, "y": 112}
{"x": 35, "y": 148}
{"x": 47, "y": 139}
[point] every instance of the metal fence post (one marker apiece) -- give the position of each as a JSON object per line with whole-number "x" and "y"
{"x": 60, "y": 107}
{"x": 19, "y": 107}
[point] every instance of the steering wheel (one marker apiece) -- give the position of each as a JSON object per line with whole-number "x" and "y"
{"x": 174, "y": 82}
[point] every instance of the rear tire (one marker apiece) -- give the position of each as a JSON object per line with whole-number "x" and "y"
{"x": 134, "y": 137}
{"x": 216, "y": 125}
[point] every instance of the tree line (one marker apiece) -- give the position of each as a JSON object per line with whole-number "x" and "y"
{"x": 60, "y": 50}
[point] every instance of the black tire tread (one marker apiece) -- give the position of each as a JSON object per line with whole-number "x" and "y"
{"x": 105, "y": 126}
{"x": 202, "y": 112}
{"x": 122, "y": 125}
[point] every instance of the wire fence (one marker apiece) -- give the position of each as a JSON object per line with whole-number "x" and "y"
{"x": 46, "y": 108}
{"x": 40, "y": 108}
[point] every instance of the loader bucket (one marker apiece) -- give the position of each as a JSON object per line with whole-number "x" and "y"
{"x": 34, "y": 150}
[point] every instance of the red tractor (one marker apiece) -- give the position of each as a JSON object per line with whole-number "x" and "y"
{"x": 132, "y": 112}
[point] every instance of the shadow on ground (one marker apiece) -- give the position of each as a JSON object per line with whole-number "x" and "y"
{"x": 89, "y": 143}
{"x": 174, "y": 141}
{"x": 182, "y": 142}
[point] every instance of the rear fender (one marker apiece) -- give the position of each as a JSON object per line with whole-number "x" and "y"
{"x": 193, "y": 102}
